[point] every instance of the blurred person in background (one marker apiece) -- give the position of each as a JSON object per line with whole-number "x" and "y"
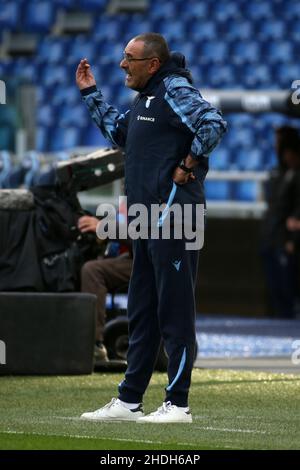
{"x": 167, "y": 134}
{"x": 293, "y": 223}
{"x": 279, "y": 240}
{"x": 102, "y": 275}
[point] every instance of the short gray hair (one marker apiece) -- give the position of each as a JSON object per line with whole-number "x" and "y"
{"x": 154, "y": 45}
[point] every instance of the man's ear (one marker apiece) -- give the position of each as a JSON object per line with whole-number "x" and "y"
{"x": 154, "y": 66}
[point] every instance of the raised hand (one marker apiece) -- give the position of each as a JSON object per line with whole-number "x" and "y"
{"x": 84, "y": 75}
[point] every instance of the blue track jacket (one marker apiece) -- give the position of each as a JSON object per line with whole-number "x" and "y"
{"x": 168, "y": 120}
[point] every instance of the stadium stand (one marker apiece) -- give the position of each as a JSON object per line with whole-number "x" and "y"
{"x": 228, "y": 45}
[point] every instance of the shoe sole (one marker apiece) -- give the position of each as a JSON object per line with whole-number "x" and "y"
{"x": 140, "y": 421}
{"x": 108, "y": 419}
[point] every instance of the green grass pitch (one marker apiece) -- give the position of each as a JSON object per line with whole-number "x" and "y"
{"x": 231, "y": 410}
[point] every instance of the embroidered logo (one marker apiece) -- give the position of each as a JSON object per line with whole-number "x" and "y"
{"x": 145, "y": 118}
{"x": 148, "y": 102}
{"x": 177, "y": 264}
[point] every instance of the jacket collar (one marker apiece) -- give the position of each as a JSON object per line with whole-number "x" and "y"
{"x": 174, "y": 66}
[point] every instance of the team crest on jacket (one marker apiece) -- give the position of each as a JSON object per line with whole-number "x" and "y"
{"x": 148, "y": 102}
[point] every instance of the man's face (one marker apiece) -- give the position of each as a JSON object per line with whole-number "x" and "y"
{"x": 138, "y": 72}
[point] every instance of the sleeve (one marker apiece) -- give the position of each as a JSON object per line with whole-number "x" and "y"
{"x": 112, "y": 124}
{"x": 296, "y": 196}
{"x": 191, "y": 111}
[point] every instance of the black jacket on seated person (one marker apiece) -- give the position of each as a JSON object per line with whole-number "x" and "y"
{"x": 41, "y": 249}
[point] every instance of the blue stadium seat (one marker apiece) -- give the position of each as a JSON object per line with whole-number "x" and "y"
{"x": 31, "y": 163}
{"x": 41, "y": 139}
{"x": 259, "y": 10}
{"x": 239, "y": 30}
{"x": 109, "y": 52}
{"x": 65, "y": 95}
{"x": 46, "y": 115}
{"x": 206, "y": 31}
{"x": 173, "y": 30}
{"x": 220, "y": 76}
{"x": 8, "y": 115}
{"x": 5, "y": 167}
{"x": 112, "y": 70}
{"x": 92, "y": 5}
{"x": 239, "y": 137}
{"x": 39, "y": 16}
{"x": 246, "y": 191}
{"x": 286, "y": 73}
{"x": 135, "y": 25}
{"x": 64, "y": 138}
{"x": 218, "y": 190}
{"x": 25, "y": 71}
{"x": 256, "y": 75}
{"x": 226, "y": 11}
{"x": 273, "y": 120}
{"x": 220, "y": 159}
{"x": 163, "y": 11}
{"x": 261, "y": 134}
{"x": 244, "y": 52}
{"x": 51, "y": 75}
{"x": 92, "y": 136}
{"x": 5, "y": 68}
{"x": 238, "y": 120}
{"x": 271, "y": 159}
{"x": 76, "y": 116}
{"x": 124, "y": 98}
{"x": 64, "y": 4}
{"x": 109, "y": 95}
{"x": 290, "y": 10}
{"x": 108, "y": 28}
{"x": 25, "y": 173}
{"x": 293, "y": 30}
{"x": 188, "y": 49}
{"x": 9, "y": 15}
{"x": 214, "y": 52}
{"x": 249, "y": 159}
{"x": 41, "y": 94}
{"x": 271, "y": 29}
{"x": 198, "y": 75}
{"x": 15, "y": 178}
{"x": 54, "y": 50}
{"x": 6, "y": 138}
{"x": 279, "y": 51}
{"x": 61, "y": 156}
{"x": 80, "y": 49}
{"x": 196, "y": 10}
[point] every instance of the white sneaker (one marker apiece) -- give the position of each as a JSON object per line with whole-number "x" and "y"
{"x": 114, "y": 411}
{"x": 167, "y": 413}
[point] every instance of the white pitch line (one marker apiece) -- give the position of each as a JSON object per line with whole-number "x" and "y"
{"x": 78, "y": 436}
{"x": 141, "y": 441}
{"x": 68, "y": 418}
{"x": 118, "y": 439}
{"x": 210, "y": 428}
{"x": 216, "y": 417}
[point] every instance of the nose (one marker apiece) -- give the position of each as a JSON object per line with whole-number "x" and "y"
{"x": 123, "y": 63}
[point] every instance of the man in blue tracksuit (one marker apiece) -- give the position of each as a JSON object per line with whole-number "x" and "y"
{"x": 167, "y": 135}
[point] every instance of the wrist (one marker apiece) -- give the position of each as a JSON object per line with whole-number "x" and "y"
{"x": 183, "y": 167}
{"x": 87, "y": 90}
